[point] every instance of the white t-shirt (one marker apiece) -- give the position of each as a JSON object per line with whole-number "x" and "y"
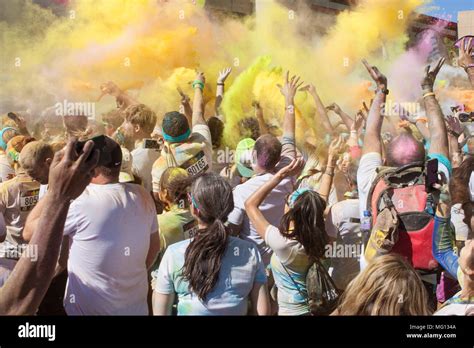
{"x": 457, "y": 219}
{"x": 471, "y": 186}
{"x": 343, "y": 224}
{"x": 273, "y": 207}
{"x": 43, "y": 190}
{"x": 291, "y": 254}
{"x": 109, "y": 227}
{"x": 6, "y": 170}
{"x": 142, "y": 164}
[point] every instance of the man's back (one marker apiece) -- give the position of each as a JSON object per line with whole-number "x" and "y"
{"x": 109, "y": 228}
{"x": 18, "y": 196}
{"x": 273, "y": 208}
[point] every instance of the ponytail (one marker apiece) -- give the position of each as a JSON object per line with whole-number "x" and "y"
{"x": 213, "y": 199}
{"x": 203, "y": 258}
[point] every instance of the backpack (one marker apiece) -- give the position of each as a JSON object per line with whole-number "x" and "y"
{"x": 322, "y": 294}
{"x": 402, "y": 213}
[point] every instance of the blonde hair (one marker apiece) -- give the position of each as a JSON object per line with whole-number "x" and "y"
{"x": 388, "y": 286}
{"x": 141, "y": 115}
{"x": 35, "y": 153}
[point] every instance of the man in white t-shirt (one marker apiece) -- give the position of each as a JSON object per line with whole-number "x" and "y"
{"x": 343, "y": 226}
{"x": 138, "y": 125}
{"x": 269, "y": 156}
{"x": 113, "y": 238}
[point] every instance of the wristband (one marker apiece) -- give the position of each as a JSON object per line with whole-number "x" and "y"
{"x": 429, "y": 94}
{"x": 198, "y": 83}
{"x": 384, "y": 91}
{"x": 220, "y": 83}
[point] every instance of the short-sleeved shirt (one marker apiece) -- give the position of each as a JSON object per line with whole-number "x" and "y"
{"x": 457, "y": 219}
{"x": 6, "y": 169}
{"x": 471, "y": 187}
{"x": 194, "y": 155}
{"x": 241, "y": 268}
{"x": 142, "y": 164}
{"x": 176, "y": 225}
{"x": 273, "y": 207}
{"x": 109, "y": 228}
{"x": 343, "y": 224}
{"x": 18, "y": 197}
{"x": 291, "y": 254}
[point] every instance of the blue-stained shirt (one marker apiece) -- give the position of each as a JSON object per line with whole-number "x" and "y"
{"x": 241, "y": 268}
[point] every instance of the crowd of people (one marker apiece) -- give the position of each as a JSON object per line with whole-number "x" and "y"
{"x": 138, "y": 214}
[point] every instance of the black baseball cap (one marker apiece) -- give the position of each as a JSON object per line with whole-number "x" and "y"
{"x": 110, "y": 154}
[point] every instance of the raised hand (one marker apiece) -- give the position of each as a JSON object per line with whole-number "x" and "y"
{"x": 310, "y": 88}
{"x": 70, "y": 173}
{"x": 294, "y": 168}
{"x": 184, "y": 97}
{"x": 454, "y": 126}
{"x": 465, "y": 53}
{"x": 110, "y": 88}
{"x": 334, "y": 107}
{"x": 290, "y": 87}
{"x": 336, "y": 147}
{"x": 430, "y": 76}
{"x": 358, "y": 122}
{"x": 376, "y": 75}
{"x": 223, "y": 75}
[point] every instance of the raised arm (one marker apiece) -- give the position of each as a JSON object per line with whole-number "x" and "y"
{"x": 320, "y": 109}
{"x": 355, "y": 129}
{"x": 259, "y": 115}
{"x": 346, "y": 119}
{"x": 372, "y": 139}
{"x": 417, "y": 121}
{"x": 253, "y": 202}
{"x": 465, "y": 60}
{"x": 335, "y": 148}
{"x": 454, "y": 129}
{"x": 20, "y": 122}
{"x": 436, "y": 125}
{"x": 123, "y": 100}
{"x": 25, "y": 288}
{"x": 198, "y": 102}
{"x": 185, "y": 106}
{"x": 220, "y": 88}
{"x": 289, "y": 90}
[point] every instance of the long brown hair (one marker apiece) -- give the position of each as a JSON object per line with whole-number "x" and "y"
{"x": 308, "y": 221}
{"x": 212, "y": 198}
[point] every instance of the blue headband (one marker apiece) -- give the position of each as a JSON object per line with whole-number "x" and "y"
{"x": 3, "y": 144}
{"x": 178, "y": 139}
{"x": 294, "y": 196}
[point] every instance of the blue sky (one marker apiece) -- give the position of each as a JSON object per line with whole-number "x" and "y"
{"x": 447, "y": 9}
